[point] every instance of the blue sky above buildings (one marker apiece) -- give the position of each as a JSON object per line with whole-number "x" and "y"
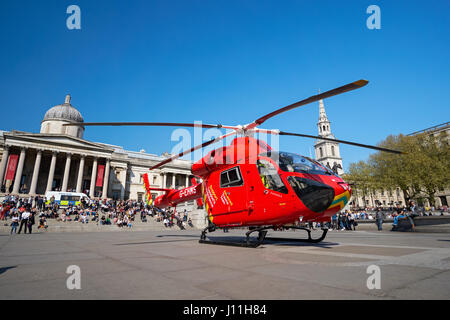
{"x": 227, "y": 62}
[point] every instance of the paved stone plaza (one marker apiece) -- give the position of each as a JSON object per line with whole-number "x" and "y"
{"x": 173, "y": 265}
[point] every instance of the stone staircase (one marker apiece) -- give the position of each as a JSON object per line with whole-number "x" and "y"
{"x": 92, "y": 226}
{"x": 197, "y": 216}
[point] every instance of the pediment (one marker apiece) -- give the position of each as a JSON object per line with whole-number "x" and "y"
{"x": 56, "y": 140}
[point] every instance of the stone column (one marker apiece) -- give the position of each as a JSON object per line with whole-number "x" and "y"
{"x": 80, "y": 174}
{"x": 4, "y": 163}
{"x": 51, "y": 172}
{"x": 173, "y": 180}
{"x": 123, "y": 182}
{"x": 34, "y": 179}
{"x": 106, "y": 181}
{"x": 187, "y": 180}
{"x": 19, "y": 171}
{"x": 66, "y": 172}
{"x": 164, "y": 180}
{"x": 93, "y": 177}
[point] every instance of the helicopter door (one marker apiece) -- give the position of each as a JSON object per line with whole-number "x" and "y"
{"x": 232, "y": 193}
{"x": 269, "y": 191}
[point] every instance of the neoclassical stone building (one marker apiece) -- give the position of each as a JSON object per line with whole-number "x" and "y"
{"x": 58, "y": 158}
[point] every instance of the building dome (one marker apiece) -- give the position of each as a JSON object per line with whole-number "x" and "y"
{"x": 64, "y": 112}
{"x": 56, "y": 118}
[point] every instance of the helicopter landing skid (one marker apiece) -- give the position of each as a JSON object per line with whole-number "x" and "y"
{"x": 247, "y": 244}
{"x": 309, "y": 240}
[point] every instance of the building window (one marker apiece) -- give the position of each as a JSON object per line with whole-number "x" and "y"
{"x": 321, "y": 152}
{"x": 332, "y": 150}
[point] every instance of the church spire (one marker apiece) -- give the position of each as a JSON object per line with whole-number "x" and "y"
{"x": 324, "y": 124}
{"x": 322, "y": 114}
{"x": 327, "y": 152}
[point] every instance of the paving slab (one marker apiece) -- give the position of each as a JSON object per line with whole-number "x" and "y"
{"x": 172, "y": 264}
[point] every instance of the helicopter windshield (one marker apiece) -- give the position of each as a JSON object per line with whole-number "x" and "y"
{"x": 291, "y": 162}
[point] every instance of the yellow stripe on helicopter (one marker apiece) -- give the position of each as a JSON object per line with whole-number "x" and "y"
{"x": 340, "y": 200}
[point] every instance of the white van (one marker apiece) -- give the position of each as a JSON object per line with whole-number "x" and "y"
{"x": 64, "y": 199}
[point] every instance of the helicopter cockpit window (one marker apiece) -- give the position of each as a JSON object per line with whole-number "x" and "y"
{"x": 291, "y": 162}
{"x": 231, "y": 178}
{"x": 270, "y": 177}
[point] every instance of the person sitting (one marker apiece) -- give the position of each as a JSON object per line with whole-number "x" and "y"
{"x": 397, "y": 216}
{"x": 42, "y": 223}
{"x": 103, "y": 220}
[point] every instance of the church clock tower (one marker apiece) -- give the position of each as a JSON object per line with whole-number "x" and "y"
{"x": 327, "y": 152}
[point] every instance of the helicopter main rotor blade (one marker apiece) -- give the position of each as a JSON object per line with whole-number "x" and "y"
{"x": 154, "y": 124}
{"x": 282, "y": 133}
{"x": 205, "y": 144}
{"x": 348, "y": 87}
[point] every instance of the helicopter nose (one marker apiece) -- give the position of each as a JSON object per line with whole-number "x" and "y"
{"x": 315, "y": 196}
{"x": 342, "y": 192}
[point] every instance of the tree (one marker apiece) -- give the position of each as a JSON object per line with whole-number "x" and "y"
{"x": 422, "y": 169}
{"x": 360, "y": 176}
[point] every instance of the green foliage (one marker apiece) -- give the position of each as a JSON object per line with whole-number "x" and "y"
{"x": 424, "y": 168}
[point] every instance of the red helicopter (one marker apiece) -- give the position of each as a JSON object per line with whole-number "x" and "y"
{"x": 247, "y": 184}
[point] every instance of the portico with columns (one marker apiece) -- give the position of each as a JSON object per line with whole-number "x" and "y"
{"x": 45, "y": 166}
{"x": 59, "y": 159}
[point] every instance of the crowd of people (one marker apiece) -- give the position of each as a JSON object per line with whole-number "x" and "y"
{"x": 23, "y": 213}
{"x": 348, "y": 219}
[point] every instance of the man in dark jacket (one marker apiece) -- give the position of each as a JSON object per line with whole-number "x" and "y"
{"x": 379, "y": 219}
{"x": 30, "y": 222}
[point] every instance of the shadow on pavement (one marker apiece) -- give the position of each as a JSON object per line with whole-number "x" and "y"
{"x": 4, "y": 269}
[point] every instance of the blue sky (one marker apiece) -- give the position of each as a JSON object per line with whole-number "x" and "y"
{"x": 227, "y": 62}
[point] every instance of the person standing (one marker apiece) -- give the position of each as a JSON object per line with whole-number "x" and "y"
{"x": 14, "y": 223}
{"x": 351, "y": 220}
{"x": 379, "y": 219}
{"x": 30, "y": 222}
{"x": 24, "y": 220}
